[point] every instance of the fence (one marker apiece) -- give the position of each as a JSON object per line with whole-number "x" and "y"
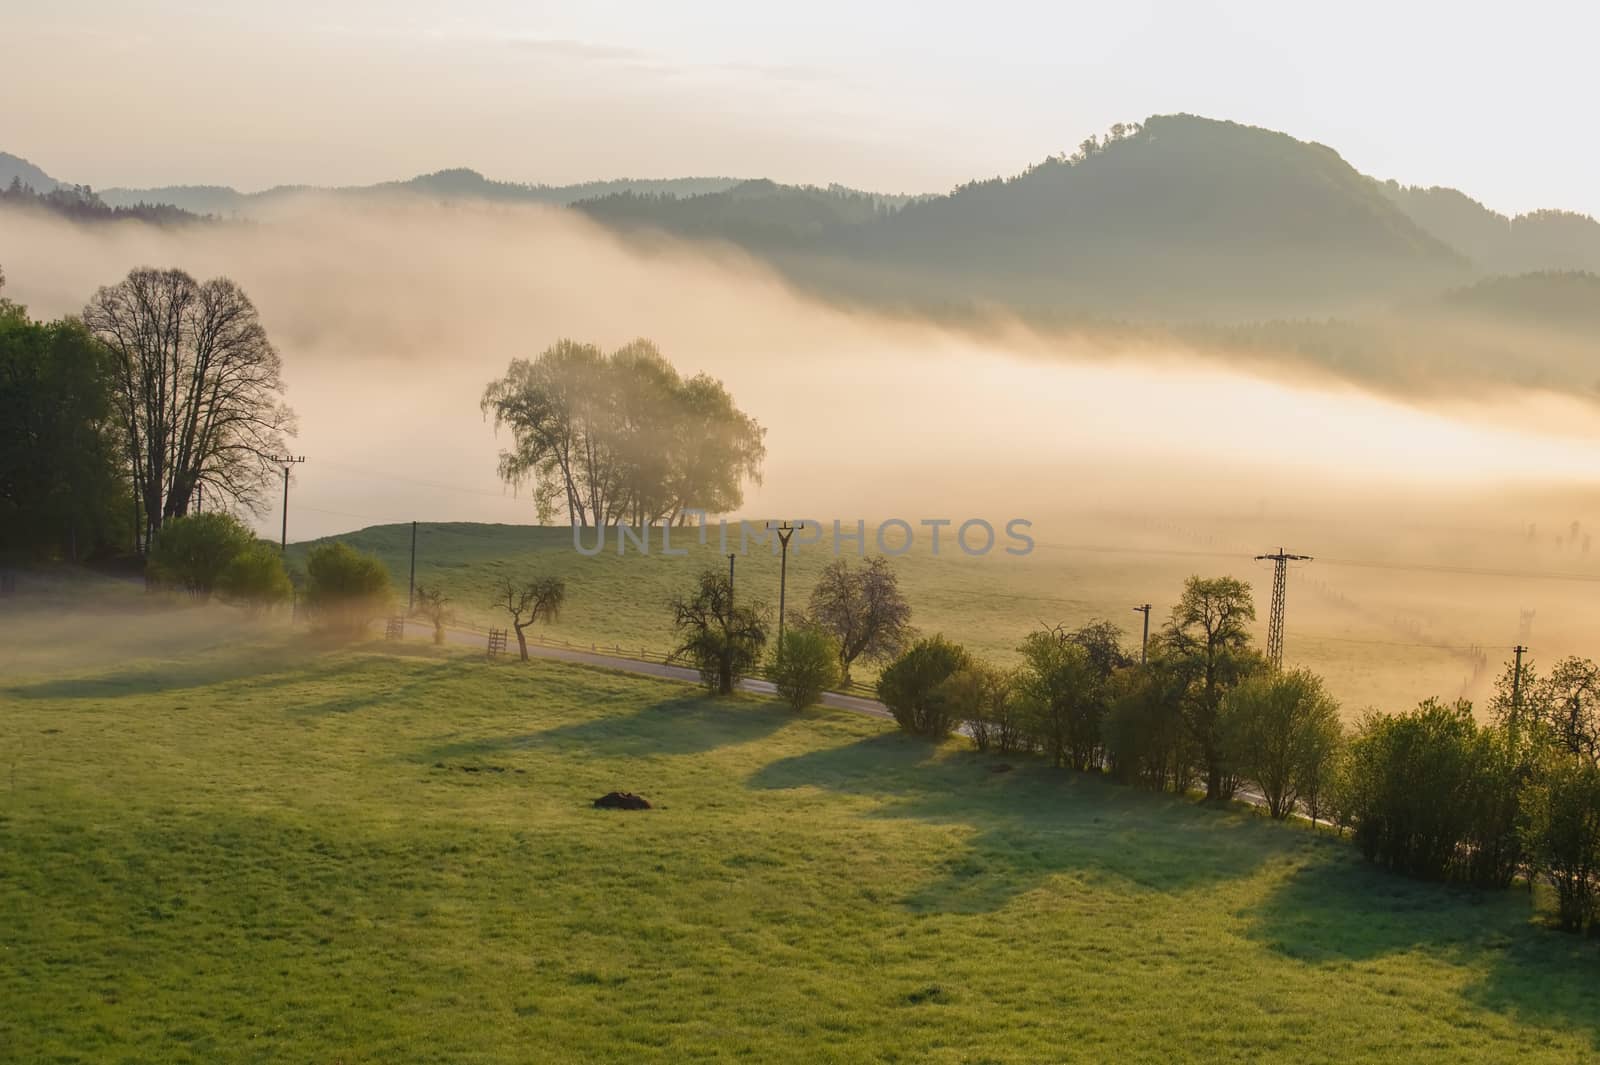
{"x": 395, "y": 629}
{"x": 497, "y": 642}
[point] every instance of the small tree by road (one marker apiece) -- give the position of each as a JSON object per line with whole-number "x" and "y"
{"x": 192, "y": 552}
{"x": 345, "y": 589}
{"x": 806, "y": 665}
{"x": 1280, "y": 731}
{"x": 434, "y": 606}
{"x": 530, "y": 602}
{"x": 722, "y": 640}
{"x": 863, "y": 610}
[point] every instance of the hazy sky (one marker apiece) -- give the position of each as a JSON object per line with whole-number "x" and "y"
{"x": 896, "y": 96}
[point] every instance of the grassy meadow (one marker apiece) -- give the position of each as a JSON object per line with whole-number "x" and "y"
{"x": 249, "y": 848}
{"x": 1382, "y": 637}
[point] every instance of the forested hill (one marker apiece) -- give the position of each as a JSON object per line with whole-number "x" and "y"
{"x": 456, "y": 184}
{"x": 1496, "y": 243}
{"x": 1182, "y": 217}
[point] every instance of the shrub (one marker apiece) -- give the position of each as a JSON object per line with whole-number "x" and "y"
{"x": 1560, "y": 828}
{"x": 1062, "y": 698}
{"x": 345, "y": 589}
{"x": 256, "y": 578}
{"x": 912, "y": 686}
{"x": 996, "y": 721}
{"x": 1279, "y": 731}
{"x": 805, "y": 665}
{"x": 192, "y": 552}
{"x": 1431, "y": 795}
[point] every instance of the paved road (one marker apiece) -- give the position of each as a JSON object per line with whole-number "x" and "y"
{"x": 854, "y": 703}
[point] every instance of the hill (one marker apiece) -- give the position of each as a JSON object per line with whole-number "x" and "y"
{"x": 1181, "y": 217}
{"x": 458, "y": 183}
{"x": 16, "y": 169}
{"x": 1542, "y": 240}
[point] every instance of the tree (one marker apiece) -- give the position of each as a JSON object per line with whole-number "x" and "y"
{"x": 193, "y": 551}
{"x": 622, "y": 437}
{"x": 806, "y": 665}
{"x": 863, "y": 608}
{"x": 1062, "y": 698}
{"x": 1561, "y": 709}
{"x": 199, "y": 390}
{"x": 345, "y": 589}
{"x": 255, "y": 578}
{"x": 721, "y": 639}
{"x": 1560, "y": 828}
{"x": 62, "y": 492}
{"x": 1279, "y": 731}
{"x": 540, "y": 599}
{"x": 1205, "y": 647}
{"x": 1147, "y": 742}
{"x": 913, "y": 687}
{"x": 434, "y": 605}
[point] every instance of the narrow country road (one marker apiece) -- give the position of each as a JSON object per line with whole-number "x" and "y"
{"x": 854, "y": 703}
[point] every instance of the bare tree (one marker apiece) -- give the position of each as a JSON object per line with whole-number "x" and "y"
{"x": 434, "y": 605}
{"x": 537, "y": 600}
{"x": 199, "y": 386}
{"x": 863, "y": 609}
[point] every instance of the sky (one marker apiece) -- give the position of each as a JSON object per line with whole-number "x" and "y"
{"x": 892, "y": 96}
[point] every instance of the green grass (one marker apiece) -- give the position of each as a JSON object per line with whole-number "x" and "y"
{"x": 262, "y": 852}
{"x": 988, "y": 603}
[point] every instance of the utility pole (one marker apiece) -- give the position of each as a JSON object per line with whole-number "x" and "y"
{"x": 1144, "y": 646}
{"x": 1280, "y": 576}
{"x": 288, "y": 462}
{"x": 411, "y": 595}
{"x": 1516, "y": 678}
{"x": 784, "y": 531}
{"x": 730, "y": 578}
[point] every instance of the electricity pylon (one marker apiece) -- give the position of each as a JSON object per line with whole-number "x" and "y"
{"x": 1280, "y": 573}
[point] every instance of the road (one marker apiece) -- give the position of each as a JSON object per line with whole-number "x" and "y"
{"x": 465, "y": 637}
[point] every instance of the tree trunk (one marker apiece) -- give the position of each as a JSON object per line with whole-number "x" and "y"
{"x": 522, "y": 642}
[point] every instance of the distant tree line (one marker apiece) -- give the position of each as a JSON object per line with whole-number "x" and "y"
{"x": 80, "y": 203}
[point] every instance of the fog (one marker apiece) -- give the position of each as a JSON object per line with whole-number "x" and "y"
{"x": 1135, "y": 466}
{"x": 391, "y": 318}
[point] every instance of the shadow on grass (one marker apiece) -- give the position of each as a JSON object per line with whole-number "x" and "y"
{"x": 691, "y": 723}
{"x": 1344, "y": 909}
{"x": 1033, "y": 822}
{"x": 290, "y": 663}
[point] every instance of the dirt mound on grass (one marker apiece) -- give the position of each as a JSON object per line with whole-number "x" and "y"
{"x": 621, "y": 800}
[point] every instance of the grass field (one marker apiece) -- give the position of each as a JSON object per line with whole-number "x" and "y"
{"x": 261, "y": 851}
{"x": 1382, "y": 637}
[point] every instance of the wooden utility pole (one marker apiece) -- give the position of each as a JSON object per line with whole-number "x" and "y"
{"x": 1516, "y": 678}
{"x": 784, "y": 531}
{"x": 1144, "y": 645}
{"x": 411, "y": 595}
{"x": 288, "y": 462}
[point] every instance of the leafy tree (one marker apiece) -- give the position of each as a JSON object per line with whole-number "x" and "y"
{"x": 255, "y": 578}
{"x": 622, "y": 437}
{"x": 1561, "y": 709}
{"x": 1205, "y": 650}
{"x": 540, "y": 599}
{"x": 62, "y": 492}
{"x": 1433, "y": 796}
{"x": 805, "y": 665}
{"x": 913, "y": 687}
{"x": 199, "y": 389}
{"x": 1560, "y": 827}
{"x": 1279, "y": 731}
{"x": 723, "y": 640}
{"x": 864, "y": 610}
{"x": 194, "y": 551}
{"x": 434, "y": 605}
{"x": 1062, "y": 698}
{"x": 345, "y": 588}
